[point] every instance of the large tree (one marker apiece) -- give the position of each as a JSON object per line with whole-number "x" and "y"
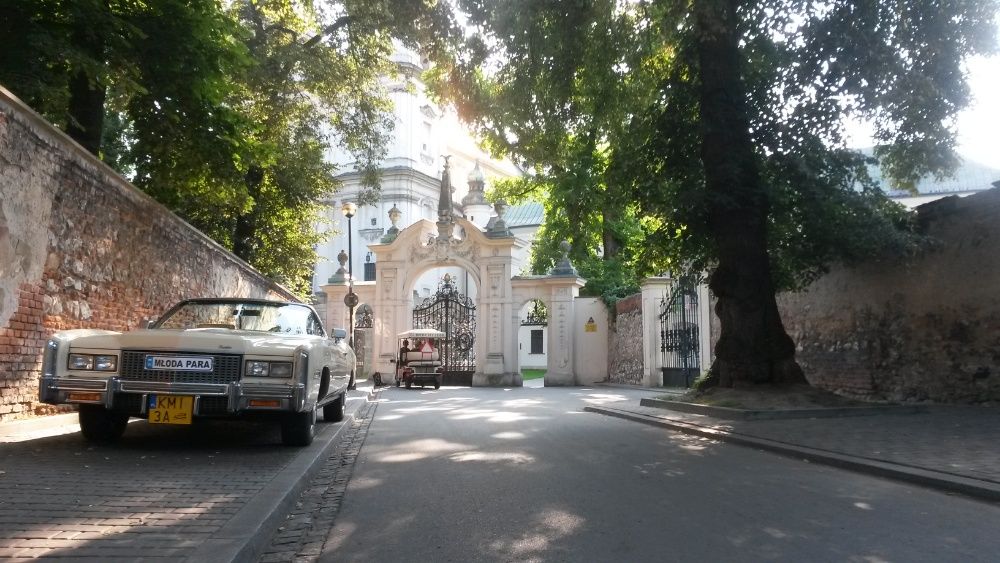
{"x": 721, "y": 123}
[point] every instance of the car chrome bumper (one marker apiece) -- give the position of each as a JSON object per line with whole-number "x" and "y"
{"x": 241, "y": 397}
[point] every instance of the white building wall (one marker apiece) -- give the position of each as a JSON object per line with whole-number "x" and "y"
{"x": 527, "y": 360}
{"x": 411, "y": 175}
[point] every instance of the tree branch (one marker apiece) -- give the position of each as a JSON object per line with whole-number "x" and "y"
{"x": 342, "y": 21}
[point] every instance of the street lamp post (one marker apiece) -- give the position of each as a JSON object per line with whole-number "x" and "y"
{"x": 349, "y": 209}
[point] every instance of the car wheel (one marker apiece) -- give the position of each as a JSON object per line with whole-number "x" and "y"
{"x": 409, "y": 384}
{"x": 334, "y": 412}
{"x": 437, "y": 384}
{"x": 299, "y": 428}
{"x": 397, "y": 382}
{"x": 100, "y": 425}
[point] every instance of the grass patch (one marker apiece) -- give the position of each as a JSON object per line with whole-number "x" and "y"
{"x": 527, "y": 374}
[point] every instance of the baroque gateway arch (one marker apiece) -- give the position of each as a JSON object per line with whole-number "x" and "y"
{"x": 487, "y": 256}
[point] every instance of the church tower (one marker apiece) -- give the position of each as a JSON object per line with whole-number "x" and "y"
{"x": 475, "y": 208}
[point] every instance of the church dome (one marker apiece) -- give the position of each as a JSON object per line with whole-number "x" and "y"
{"x": 477, "y": 175}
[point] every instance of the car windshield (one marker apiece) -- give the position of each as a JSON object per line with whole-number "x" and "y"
{"x": 255, "y": 316}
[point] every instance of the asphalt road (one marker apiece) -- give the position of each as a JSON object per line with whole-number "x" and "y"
{"x": 525, "y": 475}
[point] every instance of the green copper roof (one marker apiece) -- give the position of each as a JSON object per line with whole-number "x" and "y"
{"x": 524, "y": 215}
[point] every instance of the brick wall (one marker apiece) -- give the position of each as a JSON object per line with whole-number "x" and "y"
{"x": 926, "y": 329}
{"x": 625, "y": 342}
{"x": 82, "y": 248}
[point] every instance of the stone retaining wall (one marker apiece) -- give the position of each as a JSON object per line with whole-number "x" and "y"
{"x": 625, "y": 342}
{"x": 82, "y": 248}
{"x": 925, "y": 329}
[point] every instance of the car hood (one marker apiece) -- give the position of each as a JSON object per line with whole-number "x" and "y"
{"x": 205, "y": 340}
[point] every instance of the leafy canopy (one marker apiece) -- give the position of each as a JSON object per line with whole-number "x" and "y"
{"x": 599, "y": 99}
{"x": 223, "y": 111}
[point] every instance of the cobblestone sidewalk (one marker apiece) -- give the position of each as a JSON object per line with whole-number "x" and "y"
{"x": 301, "y": 537}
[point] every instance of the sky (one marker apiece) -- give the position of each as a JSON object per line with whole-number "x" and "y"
{"x": 979, "y": 124}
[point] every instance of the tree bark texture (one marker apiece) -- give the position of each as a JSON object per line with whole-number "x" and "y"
{"x": 753, "y": 346}
{"x": 612, "y": 246}
{"x": 87, "y": 95}
{"x": 245, "y": 232}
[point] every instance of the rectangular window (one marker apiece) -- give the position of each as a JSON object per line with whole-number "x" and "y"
{"x": 536, "y": 342}
{"x": 369, "y": 271}
{"x": 427, "y": 136}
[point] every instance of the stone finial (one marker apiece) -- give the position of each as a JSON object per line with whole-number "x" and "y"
{"x": 394, "y": 216}
{"x": 340, "y": 276}
{"x": 564, "y": 267}
{"x": 446, "y": 219}
{"x": 393, "y": 231}
{"x": 498, "y": 227}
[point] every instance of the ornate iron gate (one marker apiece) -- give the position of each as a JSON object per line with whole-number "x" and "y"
{"x": 364, "y": 320}
{"x": 455, "y": 315}
{"x": 679, "y": 342}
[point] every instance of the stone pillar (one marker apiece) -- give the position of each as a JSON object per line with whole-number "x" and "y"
{"x": 337, "y": 315}
{"x": 392, "y": 316}
{"x": 561, "y": 369}
{"x": 705, "y": 352}
{"x": 497, "y": 350}
{"x": 654, "y": 290}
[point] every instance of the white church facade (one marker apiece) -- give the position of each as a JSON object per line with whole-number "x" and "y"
{"x": 424, "y": 138}
{"x": 410, "y": 176}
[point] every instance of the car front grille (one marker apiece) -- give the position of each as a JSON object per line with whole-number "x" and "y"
{"x": 226, "y": 368}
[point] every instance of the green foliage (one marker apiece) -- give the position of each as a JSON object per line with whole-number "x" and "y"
{"x": 225, "y": 112}
{"x": 600, "y": 101}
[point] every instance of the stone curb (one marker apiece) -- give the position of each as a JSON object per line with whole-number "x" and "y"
{"x": 986, "y": 490}
{"x": 248, "y": 533}
{"x": 658, "y": 390}
{"x": 728, "y": 413}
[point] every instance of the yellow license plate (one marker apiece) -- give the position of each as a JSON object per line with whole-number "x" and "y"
{"x": 171, "y": 409}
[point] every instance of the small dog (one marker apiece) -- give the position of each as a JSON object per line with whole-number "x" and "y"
{"x": 377, "y": 379}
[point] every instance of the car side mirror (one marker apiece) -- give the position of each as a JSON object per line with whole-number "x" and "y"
{"x": 339, "y": 334}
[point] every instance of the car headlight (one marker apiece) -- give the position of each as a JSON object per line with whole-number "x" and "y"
{"x": 93, "y": 362}
{"x": 257, "y": 368}
{"x": 106, "y": 362}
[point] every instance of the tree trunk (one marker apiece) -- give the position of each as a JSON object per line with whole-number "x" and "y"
{"x": 612, "y": 246}
{"x": 245, "y": 232}
{"x": 86, "y": 94}
{"x": 753, "y": 346}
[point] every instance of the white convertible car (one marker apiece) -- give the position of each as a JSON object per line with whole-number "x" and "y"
{"x": 226, "y": 357}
